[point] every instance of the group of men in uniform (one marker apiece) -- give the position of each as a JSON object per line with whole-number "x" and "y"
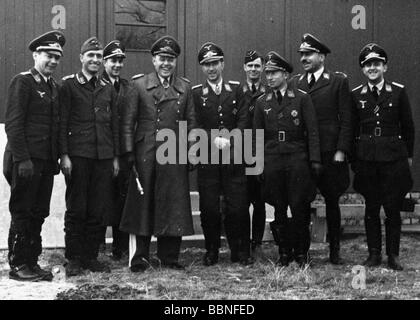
{"x": 106, "y": 133}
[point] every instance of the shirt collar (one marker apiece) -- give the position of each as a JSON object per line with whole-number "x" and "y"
{"x": 161, "y": 79}
{"x": 380, "y": 85}
{"x": 213, "y": 85}
{"x": 88, "y": 76}
{"x": 317, "y": 74}
{"x": 44, "y": 77}
{"x": 250, "y": 83}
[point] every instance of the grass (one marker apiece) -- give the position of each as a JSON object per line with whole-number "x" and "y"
{"x": 262, "y": 281}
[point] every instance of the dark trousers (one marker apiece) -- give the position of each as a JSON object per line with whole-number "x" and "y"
{"x": 230, "y": 181}
{"x": 288, "y": 182}
{"x": 120, "y": 189}
{"x": 88, "y": 194}
{"x": 29, "y": 205}
{"x": 167, "y": 249}
{"x": 258, "y": 215}
{"x": 332, "y": 183}
{"x": 383, "y": 184}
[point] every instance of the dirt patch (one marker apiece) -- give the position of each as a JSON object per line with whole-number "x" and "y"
{"x": 263, "y": 281}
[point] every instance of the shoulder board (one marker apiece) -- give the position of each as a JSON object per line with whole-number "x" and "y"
{"x": 398, "y": 85}
{"x": 341, "y": 73}
{"x": 137, "y": 76}
{"x": 235, "y": 82}
{"x": 185, "y": 79}
{"x": 25, "y": 73}
{"x": 296, "y": 76}
{"x": 70, "y": 76}
{"x": 197, "y": 86}
{"x": 357, "y": 88}
{"x": 304, "y": 92}
{"x": 291, "y": 94}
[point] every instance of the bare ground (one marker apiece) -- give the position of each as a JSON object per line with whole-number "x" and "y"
{"x": 263, "y": 281}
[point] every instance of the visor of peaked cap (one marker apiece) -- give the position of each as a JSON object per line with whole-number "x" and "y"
{"x": 209, "y": 52}
{"x": 274, "y": 61}
{"x": 166, "y": 46}
{"x": 91, "y": 44}
{"x": 372, "y": 52}
{"x": 312, "y": 44}
{"x": 114, "y": 48}
{"x": 50, "y": 41}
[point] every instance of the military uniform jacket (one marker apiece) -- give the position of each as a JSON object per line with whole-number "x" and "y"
{"x": 332, "y": 101}
{"x": 290, "y": 127}
{"x": 32, "y": 117}
{"x": 89, "y": 119}
{"x": 384, "y": 129}
{"x": 165, "y": 207}
{"x": 121, "y": 99}
{"x": 251, "y": 99}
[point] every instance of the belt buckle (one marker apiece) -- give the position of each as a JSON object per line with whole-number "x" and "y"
{"x": 282, "y": 136}
{"x": 378, "y": 131}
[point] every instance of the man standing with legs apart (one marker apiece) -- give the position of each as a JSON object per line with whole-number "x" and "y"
{"x": 31, "y": 125}
{"x": 158, "y": 102}
{"x": 220, "y": 105}
{"x": 331, "y": 98}
{"x": 384, "y": 132}
{"x": 254, "y": 88}
{"x": 89, "y": 148}
{"x": 291, "y": 150}
{"x": 114, "y": 55}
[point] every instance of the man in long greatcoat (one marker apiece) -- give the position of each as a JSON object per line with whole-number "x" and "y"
{"x": 158, "y": 103}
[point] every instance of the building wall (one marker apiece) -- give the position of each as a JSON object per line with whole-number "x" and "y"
{"x": 236, "y": 25}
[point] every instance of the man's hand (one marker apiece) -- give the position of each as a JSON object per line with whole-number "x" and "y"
{"x": 66, "y": 165}
{"x": 116, "y": 167}
{"x": 222, "y": 143}
{"x": 339, "y": 156}
{"x": 26, "y": 169}
{"x": 260, "y": 178}
{"x": 410, "y": 162}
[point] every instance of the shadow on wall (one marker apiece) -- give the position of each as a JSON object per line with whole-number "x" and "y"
{"x": 52, "y": 231}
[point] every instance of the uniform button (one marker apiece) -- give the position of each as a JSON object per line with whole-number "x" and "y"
{"x": 377, "y": 114}
{"x": 221, "y": 114}
{"x": 158, "y": 120}
{"x": 158, "y": 110}
{"x": 378, "y": 122}
{"x": 176, "y": 121}
{"x": 178, "y": 102}
{"x": 177, "y": 111}
{"x": 221, "y": 122}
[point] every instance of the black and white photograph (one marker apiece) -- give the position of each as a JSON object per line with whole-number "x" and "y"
{"x": 216, "y": 157}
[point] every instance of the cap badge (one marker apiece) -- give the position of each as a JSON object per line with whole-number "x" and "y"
{"x": 58, "y": 36}
{"x": 168, "y": 41}
{"x": 294, "y": 113}
{"x": 210, "y": 54}
{"x": 117, "y": 51}
{"x": 305, "y": 45}
{"x": 207, "y": 47}
{"x": 372, "y": 55}
{"x": 363, "y": 103}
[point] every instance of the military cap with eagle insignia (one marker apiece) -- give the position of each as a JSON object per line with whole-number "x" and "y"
{"x": 209, "y": 52}
{"x": 166, "y": 46}
{"x": 274, "y": 62}
{"x": 50, "y": 41}
{"x": 91, "y": 44}
{"x": 312, "y": 44}
{"x": 114, "y": 49}
{"x": 252, "y": 55}
{"x": 370, "y": 52}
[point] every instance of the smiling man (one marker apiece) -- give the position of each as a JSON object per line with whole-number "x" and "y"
{"x": 384, "y": 132}
{"x": 291, "y": 148}
{"x": 330, "y": 94}
{"x": 157, "y": 102}
{"x": 114, "y": 56}
{"x": 254, "y": 88}
{"x": 89, "y": 149}
{"x": 31, "y": 125}
{"x": 219, "y": 105}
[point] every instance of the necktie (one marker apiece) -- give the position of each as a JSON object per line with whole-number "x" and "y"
{"x": 254, "y": 89}
{"x": 279, "y": 97}
{"x": 312, "y": 82}
{"x": 375, "y": 92}
{"x": 165, "y": 83}
{"x": 217, "y": 90}
{"x": 117, "y": 85}
{"x": 93, "y": 82}
{"x": 50, "y": 85}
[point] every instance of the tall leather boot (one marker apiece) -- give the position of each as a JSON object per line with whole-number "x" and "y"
{"x": 392, "y": 236}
